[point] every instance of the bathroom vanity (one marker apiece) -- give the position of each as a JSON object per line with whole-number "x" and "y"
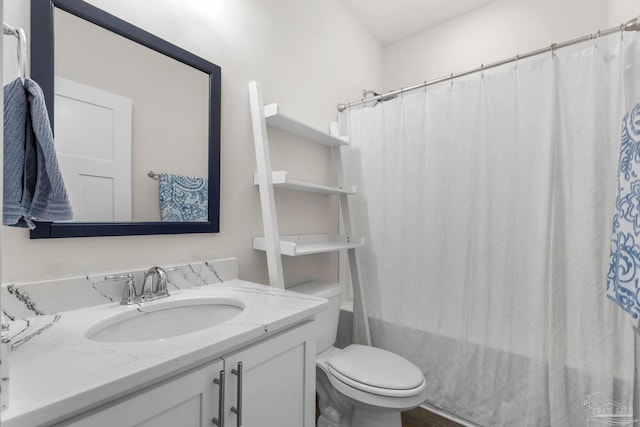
{"x": 258, "y": 384}
{"x": 79, "y": 368}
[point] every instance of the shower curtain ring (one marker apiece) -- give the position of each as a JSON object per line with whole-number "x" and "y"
{"x": 482, "y": 71}
{"x": 622, "y": 31}
{"x": 517, "y": 58}
{"x": 597, "y": 39}
{"x": 553, "y": 50}
{"x": 451, "y": 79}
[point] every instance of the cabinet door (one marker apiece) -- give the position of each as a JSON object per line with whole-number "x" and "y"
{"x": 189, "y": 400}
{"x": 278, "y": 381}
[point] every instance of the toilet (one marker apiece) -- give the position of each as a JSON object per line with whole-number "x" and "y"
{"x": 358, "y": 386}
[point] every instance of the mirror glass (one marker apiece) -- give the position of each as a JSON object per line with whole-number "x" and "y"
{"x": 121, "y": 115}
{"x": 136, "y": 124}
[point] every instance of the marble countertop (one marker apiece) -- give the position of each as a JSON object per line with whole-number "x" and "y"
{"x": 56, "y": 372}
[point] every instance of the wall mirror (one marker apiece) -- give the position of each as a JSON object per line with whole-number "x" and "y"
{"x": 126, "y": 107}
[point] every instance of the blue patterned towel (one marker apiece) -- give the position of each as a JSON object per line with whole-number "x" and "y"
{"x": 183, "y": 198}
{"x": 623, "y": 276}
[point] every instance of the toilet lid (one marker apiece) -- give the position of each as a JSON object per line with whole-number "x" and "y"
{"x": 375, "y": 367}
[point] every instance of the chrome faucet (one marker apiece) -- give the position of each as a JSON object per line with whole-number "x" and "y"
{"x": 158, "y": 286}
{"x": 156, "y": 289}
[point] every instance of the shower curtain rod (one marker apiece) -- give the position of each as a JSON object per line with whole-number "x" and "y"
{"x": 631, "y": 25}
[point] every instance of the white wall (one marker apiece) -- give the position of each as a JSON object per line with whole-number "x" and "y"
{"x": 622, "y": 10}
{"x": 495, "y": 32}
{"x": 308, "y": 55}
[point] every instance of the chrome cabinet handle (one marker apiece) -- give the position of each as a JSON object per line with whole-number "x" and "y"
{"x": 238, "y": 410}
{"x": 220, "y": 420}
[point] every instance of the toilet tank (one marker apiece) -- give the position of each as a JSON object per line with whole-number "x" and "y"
{"x": 327, "y": 320}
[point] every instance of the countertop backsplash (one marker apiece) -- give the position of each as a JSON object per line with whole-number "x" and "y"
{"x": 48, "y": 297}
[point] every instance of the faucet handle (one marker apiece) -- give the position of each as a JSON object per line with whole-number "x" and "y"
{"x": 129, "y": 291}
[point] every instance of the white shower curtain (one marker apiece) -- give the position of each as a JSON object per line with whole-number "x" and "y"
{"x": 486, "y": 205}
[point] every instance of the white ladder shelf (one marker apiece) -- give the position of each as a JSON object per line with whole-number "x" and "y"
{"x": 311, "y": 244}
{"x": 276, "y": 245}
{"x": 281, "y": 180}
{"x": 276, "y": 119}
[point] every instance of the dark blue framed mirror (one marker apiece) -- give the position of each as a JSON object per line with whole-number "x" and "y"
{"x": 169, "y": 62}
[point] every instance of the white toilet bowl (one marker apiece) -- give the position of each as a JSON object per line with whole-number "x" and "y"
{"x": 362, "y": 386}
{"x": 359, "y": 386}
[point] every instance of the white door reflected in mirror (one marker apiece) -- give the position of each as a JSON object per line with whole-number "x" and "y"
{"x": 93, "y": 143}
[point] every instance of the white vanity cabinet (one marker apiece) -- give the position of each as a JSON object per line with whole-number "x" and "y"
{"x": 189, "y": 400}
{"x": 269, "y": 383}
{"x": 277, "y": 384}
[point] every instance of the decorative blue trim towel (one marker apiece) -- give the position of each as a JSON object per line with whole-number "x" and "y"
{"x": 183, "y": 198}
{"x": 623, "y": 276}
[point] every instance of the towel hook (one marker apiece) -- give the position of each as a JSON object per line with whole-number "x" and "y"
{"x": 22, "y": 54}
{"x": 21, "y": 48}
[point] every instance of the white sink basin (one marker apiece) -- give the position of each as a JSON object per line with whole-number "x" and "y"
{"x": 165, "y": 319}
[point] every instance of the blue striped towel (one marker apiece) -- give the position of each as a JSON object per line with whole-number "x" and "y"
{"x": 15, "y": 125}
{"x": 33, "y": 185}
{"x": 50, "y": 199}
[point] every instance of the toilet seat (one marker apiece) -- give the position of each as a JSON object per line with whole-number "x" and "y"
{"x": 387, "y": 392}
{"x": 376, "y": 371}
